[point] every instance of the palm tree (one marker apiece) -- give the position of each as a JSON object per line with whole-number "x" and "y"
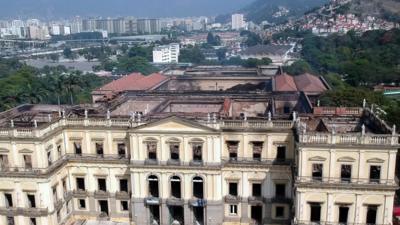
{"x": 73, "y": 83}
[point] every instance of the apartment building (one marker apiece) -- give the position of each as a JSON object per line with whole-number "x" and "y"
{"x": 166, "y": 53}
{"x": 198, "y": 157}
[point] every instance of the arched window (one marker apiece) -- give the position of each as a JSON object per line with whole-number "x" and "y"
{"x": 198, "y": 187}
{"x": 176, "y": 187}
{"x": 153, "y": 186}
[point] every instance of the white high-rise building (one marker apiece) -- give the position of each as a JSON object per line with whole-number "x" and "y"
{"x": 166, "y": 53}
{"x": 238, "y": 22}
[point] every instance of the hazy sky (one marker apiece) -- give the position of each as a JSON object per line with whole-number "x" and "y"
{"x": 47, "y": 9}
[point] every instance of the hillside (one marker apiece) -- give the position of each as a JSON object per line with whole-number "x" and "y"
{"x": 276, "y": 11}
{"x": 384, "y": 9}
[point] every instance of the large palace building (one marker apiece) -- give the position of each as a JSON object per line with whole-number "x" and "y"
{"x": 172, "y": 150}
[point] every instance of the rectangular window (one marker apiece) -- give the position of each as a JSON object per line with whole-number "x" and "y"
{"x": 371, "y": 214}
{"x": 280, "y": 190}
{"x": 121, "y": 150}
{"x": 257, "y": 150}
{"x": 80, "y": 183}
{"x": 343, "y": 214}
{"x": 317, "y": 171}
{"x": 174, "y": 150}
{"x": 101, "y": 182}
{"x": 10, "y": 220}
{"x": 281, "y": 153}
{"x": 233, "y": 149}
{"x": 197, "y": 152}
{"x": 315, "y": 215}
{"x": 9, "y": 200}
{"x": 99, "y": 148}
{"x": 32, "y": 221}
{"x": 233, "y": 209}
{"x": 256, "y": 190}
{"x": 345, "y": 173}
{"x": 374, "y": 174}
{"x": 124, "y": 205}
{"x": 233, "y": 189}
{"x": 78, "y": 148}
{"x": 3, "y": 162}
{"x": 28, "y": 161}
{"x": 123, "y": 185}
{"x": 280, "y": 212}
{"x": 152, "y": 150}
{"x": 49, "y": 159}
{"x": 31, "y": 201}
{"x": 82, "y": 204}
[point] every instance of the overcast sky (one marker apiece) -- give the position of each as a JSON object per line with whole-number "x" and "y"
{"x": 50, "y": 9}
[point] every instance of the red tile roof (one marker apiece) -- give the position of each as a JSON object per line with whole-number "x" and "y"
{"x": 309, "y": 83}
{"x": 134, "y": 82}
{"x": 284, "y": 82}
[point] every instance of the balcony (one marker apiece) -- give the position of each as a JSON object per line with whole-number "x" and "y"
{"x": 348, "y": 182}
{"x": 232, "y": 199}
{"x": 98, "y": 158}
{"x": 101, "y": 194}
{"x": 173, "y": 162}
{"x": 151, "y": 162}
{"x": 28, "y": 212}
{"x": 255, "y": 200}
{"x": 175, "y": 201}
{"x": 196, "y": 163}
{"x": 252, "y": 161}
{"x": 80, "y": 193}
{"x": 197, "y": 202}
{"x": 152, "y": 201}
{"x": 122, "y": 195}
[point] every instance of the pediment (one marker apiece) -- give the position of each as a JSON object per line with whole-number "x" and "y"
{"x": 317, "y": 158}
{"x": 375, "y": 160}
{"x": 174, "y": 125}
{"x": 25, "y": 151}
{"x": 346, "y": 159}
{"x": 4, "y": 150}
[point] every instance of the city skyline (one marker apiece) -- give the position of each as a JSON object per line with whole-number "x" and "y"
{"x": 56, "y": 9}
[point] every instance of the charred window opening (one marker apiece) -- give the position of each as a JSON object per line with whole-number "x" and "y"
{"x": 32, "y": 221}
{"x": 153, "y": 186}
{"x": 374, "y": 174}
{"x": 281, "y": 153}
{"x": 176, "y": 187}
{"x": 280, "y": 190}
{"x": 9, "y": 200}
{"x": 99, "y": 148}
{"x": 315, "y": 215}
{"x": 123, "y": 185}
{"x": 343, "y": 214}
{"x": 59, "y": 150}
{"x": 121, "y": 150}
{"x": 152, "y": 150}
{"x": 371, "y": 214}
{"x": 233, "y": 189}
{"x": 82, "y": 203}
{"x": 10, "y": 220}
{"x": 174, "y": 151}
{"x": 103, "y": 205}
{"x": 49, "y": 158}
{"x": 198, "y": 186}
{"x": 317, "y": 171}
{"x": 198, "y": 213}
{"x": 64, "y": 184}
{"x": 256, "y": 188}
{"x": 78, "y": 148}
{"x": 101, "y": 182}
{"x": 345, "y": 173}
{"x": 233, "y": 149}
{"x": 54, "y": 190}
{"x": 256, "y": 214}
{"x": 28, "y": 161}
{"x": 197, "y": 152}
{"x": 280, "y": 212}
{"x": 176, "y": 215}
{"x": 80, "y": 183}
{"x": 31, "y": 201}
{"x": 154, "y": 214}
{"x": 257, "y": 150}
{"x": 3, "y": 161}
{"x": 124, "y": 205}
